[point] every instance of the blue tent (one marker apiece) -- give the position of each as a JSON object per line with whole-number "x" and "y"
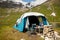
{"x": 32, "y": 17}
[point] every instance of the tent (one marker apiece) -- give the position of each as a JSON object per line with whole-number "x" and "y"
{"x": 29, "y": 18}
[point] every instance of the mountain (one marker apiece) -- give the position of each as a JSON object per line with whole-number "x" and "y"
{"x": 10, "y": 4}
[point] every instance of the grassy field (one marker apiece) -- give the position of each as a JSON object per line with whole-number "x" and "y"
{"x": 7, "y": 22}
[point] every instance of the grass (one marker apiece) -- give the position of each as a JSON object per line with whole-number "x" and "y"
{"x": 8, "y": 33}
{"x": 6, "y": 23}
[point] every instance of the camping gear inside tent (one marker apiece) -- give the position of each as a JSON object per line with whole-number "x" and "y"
{"x": 27, "y": 20}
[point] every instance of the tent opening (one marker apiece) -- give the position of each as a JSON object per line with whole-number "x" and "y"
{"x": 33, "y": 20}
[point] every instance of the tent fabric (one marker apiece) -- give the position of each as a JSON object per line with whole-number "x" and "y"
{"x": 20, "y": 26}
{"x": 44, "y": 20}
{"x": 29, "y": 14}
{"x": 27, "y": 23}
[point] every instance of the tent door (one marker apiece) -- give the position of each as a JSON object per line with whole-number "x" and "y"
{"x": 33, "y": 20}
{"x": 27, "y": 23}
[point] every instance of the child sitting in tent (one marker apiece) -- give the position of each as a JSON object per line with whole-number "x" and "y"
{"x": 41, "y": 27}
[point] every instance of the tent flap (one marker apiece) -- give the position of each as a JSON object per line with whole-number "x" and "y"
{"x": 20, "y": 26}
{"x": 45, "y": 22}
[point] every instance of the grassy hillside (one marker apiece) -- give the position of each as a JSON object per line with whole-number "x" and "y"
{"x": 41, "y": 9}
